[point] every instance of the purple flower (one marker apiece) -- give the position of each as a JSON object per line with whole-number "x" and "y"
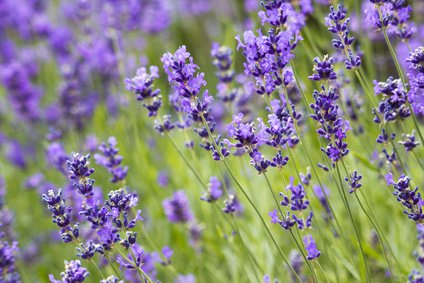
{"x": 142, "y": 86}
{"x": 337, "y": 22}
{"x": 111, "y": 160}
{"x": 177, "y": 208}
{"x": 79, "y": 174}
{"x": 61, "y": 215}
{"x": 190, "y": 278}
{"x": 323, "y": 70}
{"x": 232, "y": 205}
{"x": 409, "y": 141}
{"x": 74, "y": 272}
{"x": 311, "y": 248}
{"x": 8, "y": 272}
{"x": 163, "y": 179}
{"x": 409, "y": 197}
{"x": 333, "y": 127}
{"x": 394, "y": 103}
{"x": 214, "y": 190}
{"x": 353, "y": 181}
{"x": 181, "y": 73}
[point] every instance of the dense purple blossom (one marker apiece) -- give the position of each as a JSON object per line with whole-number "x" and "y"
{"x": 61, "y": 215}
{"x": 24, "y": 96}
{"x": 333, "y": 127}
{"x": 354, "y": 181}
{"x": 74, "y": 272}
{"x": 311, "y": 248}
{"x": 416, "y": 79}
{"x": 323, "y": 70}
{"x": 142, "y": 86}
{"x": 409, "y": 197}
{"x": 394, "y": 103}
{"x": 177, "y": 208}
{"x": 8, "y": 272}
{"x": 79, "y": 174}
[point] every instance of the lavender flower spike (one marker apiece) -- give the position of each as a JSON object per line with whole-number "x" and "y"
{"x": 74, "y": 272}
{"x": 142, "y": 86}
{"x": 177, "y": 208}
{"x": 311, "y": 248}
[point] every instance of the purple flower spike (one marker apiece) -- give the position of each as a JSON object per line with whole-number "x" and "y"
{"x": 311, "y": 248}
{"x": 142, "y": 86}
{"x": 74, "y": 272}
{"x": 111, "y": 160}
{"x": 214, "y": 190}
{"x": 323, "y": 70}
{"x": 177, "y": 208}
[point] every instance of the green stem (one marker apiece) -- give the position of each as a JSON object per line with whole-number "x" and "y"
{"x": 322, "y": 271}
{"x": 354, "y": 224}
{"x": 97, "y": 268}
{"x": 304, "y": 256}
{"x": 186, "y": 161}
{"x": 111, "y": 265}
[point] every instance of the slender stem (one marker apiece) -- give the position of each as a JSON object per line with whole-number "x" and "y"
{"x": 302, "y": 141}
{"x": 262, "y": 219}
{"x": 252, "y": 259}
{"x": 304, "y": 256}
{"x": 294, "y": 238}
{"x": 354, "y": 224}
{"x": 247, "y": 197}
{"x": 378, "y": 234}
{"x": 97, "y": 268}
{"x": 140, "y": 271}
{"x": 233, "y": 225}
{"x": 111, "y": 265}
{"x": 322, "y": 271}
{"x": 186, "y": 161}
{"x": 277, "y": 204}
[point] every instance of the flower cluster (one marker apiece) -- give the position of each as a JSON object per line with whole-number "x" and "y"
{"x": 266, "y": 58}
{"x": 177, "y": 208}
{"x": 74, "y": 272}
{"x": 79, "y": 174}
{"x": 394, "y": 103}
{"x": 108, "y": 224}
{"x": 311, "y": 248}
{"x": 353, "y": 181}
{"x": 61, "y": 215}
{"x": 333, "y": 127}
{"x": 214, "y": 190}
{"x": 409, "y": 141}
{"x": 323, "y": 70}
{"x": 297, "y": 203}
{"x": 111, "y": 160}
{"x": 8, "y": 272}
{"x": 187, "y": 84}
{"x": 394, "y": 16}
{"x": 410, "y": 198}
{"x": 142, "y": 86}
{"x": 337, "y": 22}
{"x": 416, "y": 80}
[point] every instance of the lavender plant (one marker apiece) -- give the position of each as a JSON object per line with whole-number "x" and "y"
{"x": 294, "y": 127}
